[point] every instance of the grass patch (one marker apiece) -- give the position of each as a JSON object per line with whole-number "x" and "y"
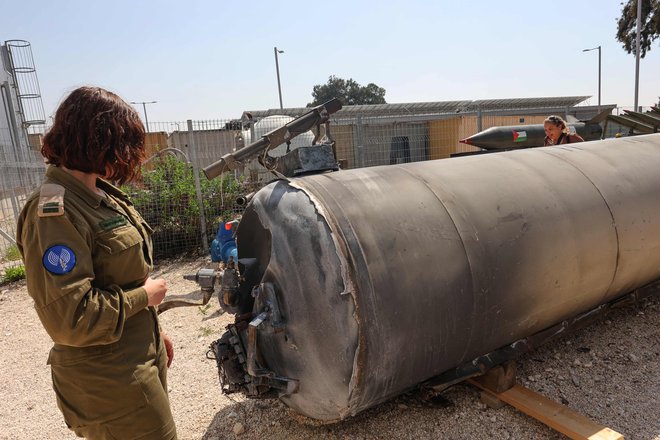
{"x": 13, "y": 274}
{"x": 11, "y": 253}
{"x": 204, "y": 310}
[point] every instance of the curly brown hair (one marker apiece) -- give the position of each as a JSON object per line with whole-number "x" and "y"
{"x": 557, "y": 121}
{"x": 95, "y": 131}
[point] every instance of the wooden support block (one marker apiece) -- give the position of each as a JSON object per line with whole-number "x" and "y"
{"x": 490, "y": 400}
{"x": 499, "y": 378}
{"x": 557, "y": 416}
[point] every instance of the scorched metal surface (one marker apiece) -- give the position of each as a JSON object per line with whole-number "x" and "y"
{"x": 376, "y": 279}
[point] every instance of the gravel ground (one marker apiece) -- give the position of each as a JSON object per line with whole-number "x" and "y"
{"x": 609, "y": 371}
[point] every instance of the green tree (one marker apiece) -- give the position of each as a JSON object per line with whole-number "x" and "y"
{"x": 627, "y": 25}
{"x": 349, "y": 92}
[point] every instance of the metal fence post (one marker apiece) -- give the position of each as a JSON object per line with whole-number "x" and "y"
{"x": 360, "y": 142}
{"x": 198, "y": 187}
{"x": 14, "y": 203}
{"x": 479, "y": 119}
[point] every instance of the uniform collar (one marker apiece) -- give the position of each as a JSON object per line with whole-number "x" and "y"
{"x": 58, "y": 175}
{"x": 113, "y": 190}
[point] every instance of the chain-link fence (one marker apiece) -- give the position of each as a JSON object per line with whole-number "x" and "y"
{"x": 183, "y": 207}
{"x": 21, "y": 171}
{"x": 175, "y": 198}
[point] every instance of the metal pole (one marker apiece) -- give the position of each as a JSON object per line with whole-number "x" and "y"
{"x": 637, "y": 44}
{"x": 479, "y": 119}
{"x": 360, "y": 142}
{"x": 198, "y": 187}
{"x": 144, "y": 108}
{"x": 277, "y": 69}
{"x": 146, "y": 120}
{"x": 599, "y": 50}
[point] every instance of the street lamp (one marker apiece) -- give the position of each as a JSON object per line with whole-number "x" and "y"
{"x": 144, "y": 107}
{"x": 587, "y": 50}
{"x": 277, "y": 69}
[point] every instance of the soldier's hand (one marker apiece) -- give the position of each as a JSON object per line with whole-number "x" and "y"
{"x": 156, "y": 290}
{"x": 169, "y": 347}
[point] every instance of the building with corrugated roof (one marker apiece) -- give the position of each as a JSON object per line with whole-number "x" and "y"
{"x": 382, "y": 134}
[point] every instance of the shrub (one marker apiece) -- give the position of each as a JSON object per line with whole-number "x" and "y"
{"x": 13, "y": 274}
{"x": 167, "y": 200}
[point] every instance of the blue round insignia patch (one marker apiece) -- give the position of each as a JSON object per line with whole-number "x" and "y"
{"x": 59, "y": 259}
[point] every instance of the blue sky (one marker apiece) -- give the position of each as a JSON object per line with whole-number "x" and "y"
{"x": 214, "y": 59}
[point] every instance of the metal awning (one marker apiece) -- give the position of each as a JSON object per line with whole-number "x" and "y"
{"x": 647, "y": 122}
{"x": 429, "y": 108}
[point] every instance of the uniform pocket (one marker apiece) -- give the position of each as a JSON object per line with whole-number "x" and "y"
{"x": 64, "y": 356}
{"x": 95, "y": 388}
{"x": 119, "y": 239}
{"x": 120, "y": 258}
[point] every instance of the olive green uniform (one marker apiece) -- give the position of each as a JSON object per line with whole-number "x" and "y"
{"x": 86, "y": 257}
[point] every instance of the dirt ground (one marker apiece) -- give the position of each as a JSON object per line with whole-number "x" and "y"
{"x": 609, "y": 372}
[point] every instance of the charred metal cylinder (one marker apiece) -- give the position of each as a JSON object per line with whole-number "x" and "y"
{"x": 381, "y": 278}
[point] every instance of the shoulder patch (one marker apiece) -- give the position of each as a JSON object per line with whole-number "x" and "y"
{"x": 51, "y": 200}
{"x": 59, "y": 259}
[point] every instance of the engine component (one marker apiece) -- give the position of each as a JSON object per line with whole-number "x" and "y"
{"x": 297, "y": 163}
{"x": 223, "y": 246}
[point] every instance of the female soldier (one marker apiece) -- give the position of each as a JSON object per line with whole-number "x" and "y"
{"x": 556, "y": 132}
{"x": 88, "y": 256}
